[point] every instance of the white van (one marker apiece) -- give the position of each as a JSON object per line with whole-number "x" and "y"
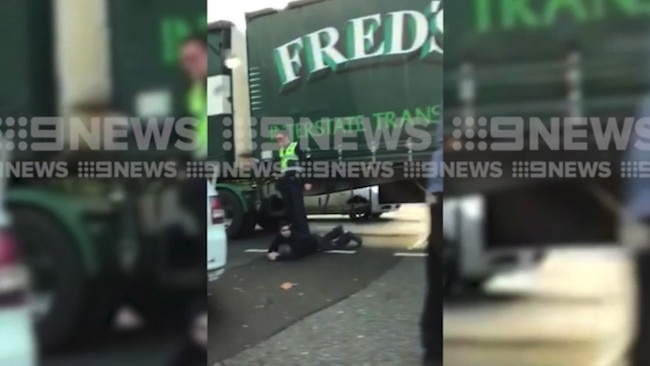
{"x": 216, "y": 235}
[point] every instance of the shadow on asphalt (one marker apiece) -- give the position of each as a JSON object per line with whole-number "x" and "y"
{"x": 144, "y": 346}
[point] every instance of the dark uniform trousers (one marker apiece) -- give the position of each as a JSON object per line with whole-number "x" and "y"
{"x": 291, "y": 187}
{"x": 640, "y": 355}
{"x": 431, "y": 322}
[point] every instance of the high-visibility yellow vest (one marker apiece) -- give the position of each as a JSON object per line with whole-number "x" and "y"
{"x": 197, "y": 106}
{"x": 287, "y": 155}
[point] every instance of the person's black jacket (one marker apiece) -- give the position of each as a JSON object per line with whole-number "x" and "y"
{"x": 301, "y": 245}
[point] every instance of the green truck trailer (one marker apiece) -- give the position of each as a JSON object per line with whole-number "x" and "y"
{"x": 370, "y": 71}
{"x": 542, "y": 61}
{"x": 83, "y": 238}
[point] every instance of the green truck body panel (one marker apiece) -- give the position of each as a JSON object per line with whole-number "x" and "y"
{"x": 218, "y": 41}
{"x": 68, "y": 211}
{"x": 519, "y": 51}
{"x": 337, "y": 93}
{"x": 27, "y": 68}
{"x": 520, "y": 48}
{"x": 145, "y": 40}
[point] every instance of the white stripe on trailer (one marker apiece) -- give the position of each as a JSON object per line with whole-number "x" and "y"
{"x": 327, "y": 252}
{"x": 403, "y": 254}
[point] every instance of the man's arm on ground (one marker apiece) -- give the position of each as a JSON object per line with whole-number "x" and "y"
{"x": 275, "y": 244}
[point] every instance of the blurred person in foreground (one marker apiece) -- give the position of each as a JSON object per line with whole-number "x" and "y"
{"x": 194, "y": 63}
{"x": 431, "y": 322}
{"x": 194, "y": 345}
{"x": 289, "y": 244}
{"x": 638, "y": 216}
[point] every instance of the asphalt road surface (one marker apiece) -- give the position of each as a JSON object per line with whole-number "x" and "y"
{"x": 250, "y": 306}
{"x": 257, "y": 299}
{"x": 574, "y": 309}
{"x": 363, "y": 307}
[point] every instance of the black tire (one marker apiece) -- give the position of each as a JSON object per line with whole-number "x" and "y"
{"x": 359, "y": 209}
{"x": 360, "y": 216}
{"x": 376, "y": 215}
{"x": 242, "y": 223}
{"x": 37, "y": 232}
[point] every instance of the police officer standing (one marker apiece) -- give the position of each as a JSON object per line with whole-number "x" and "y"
{"x": 431, "y": 323}
{"x": 194, "y": 61}
{"x": 292, "y": 182}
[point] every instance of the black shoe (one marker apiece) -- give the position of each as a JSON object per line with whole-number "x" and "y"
{"x": 358, "y": 241}
{"x": 338, "y": 231}
{"x": 348, "y": 237}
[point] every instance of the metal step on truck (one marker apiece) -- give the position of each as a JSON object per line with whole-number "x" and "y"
{"x": 297, "y": 64}
{"x": 570, "y": 72}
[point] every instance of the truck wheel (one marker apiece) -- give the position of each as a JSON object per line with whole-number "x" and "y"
{"x": 238, "y": 222}
{"x": 59, "y": 281}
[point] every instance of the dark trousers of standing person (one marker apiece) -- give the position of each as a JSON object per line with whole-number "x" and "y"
{"x": 641, "y": 347}
{"x": 193, "y": 197}
{"x": 291, "y": 188}
{"x": 431, "y": 323}
{"x": 186, "y": 247}
{"x": 182, "y": 248}
{"x": 189, "y": 352}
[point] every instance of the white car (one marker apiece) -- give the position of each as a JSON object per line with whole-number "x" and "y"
{"x": 217, "y": 238}
{"x": 18, "y": 346}
{"x": 360, "y": 203}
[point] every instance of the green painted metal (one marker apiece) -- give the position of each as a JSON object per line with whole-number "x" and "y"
{"x": 27, "y": 68}
{"x": 218, "y": 39}
{"x": 519, "y": 49}
{"x": 145, "y": 40}
{"x": 362, "y": 79}
{"x": 68, "y": 211}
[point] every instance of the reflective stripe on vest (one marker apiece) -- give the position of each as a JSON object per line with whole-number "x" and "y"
{"x": 197, "y": 106}
{"x": 287, "y": 155}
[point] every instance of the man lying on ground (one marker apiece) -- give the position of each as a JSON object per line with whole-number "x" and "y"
{"x": 288, "y": 245}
